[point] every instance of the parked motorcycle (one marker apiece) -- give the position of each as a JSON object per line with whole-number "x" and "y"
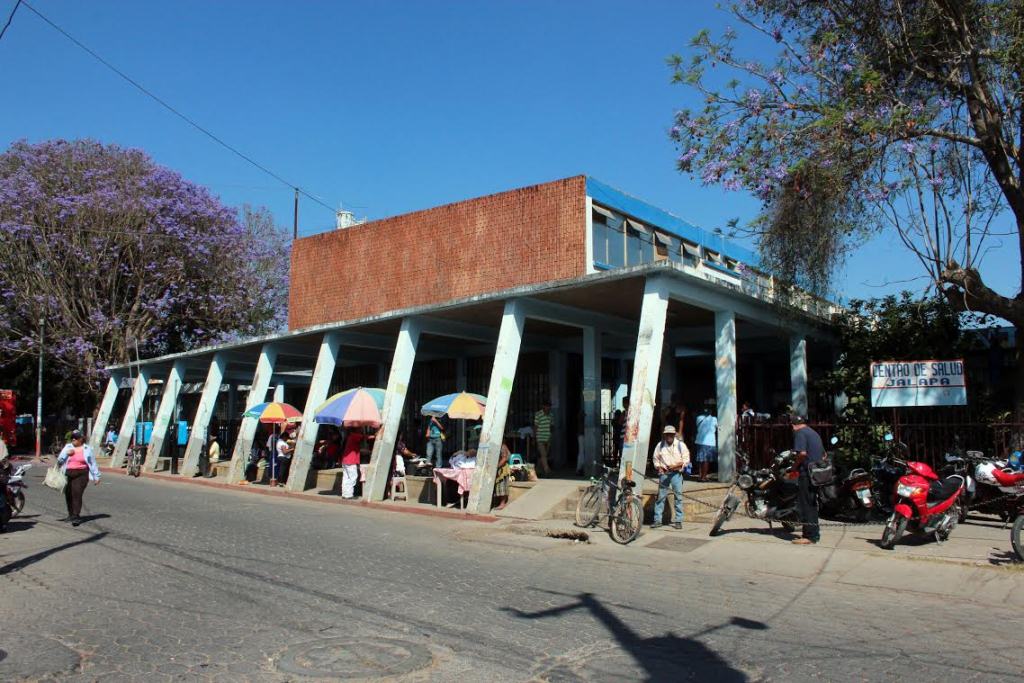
{"x": 1011, "y": 482}
{"x": 924, "y": 503}
{"x": 770, "y": 492}
{"x": 849, "y": 496}
{"x": 15, "y": 490}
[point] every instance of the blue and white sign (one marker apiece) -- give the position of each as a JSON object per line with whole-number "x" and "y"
{"x": 913, "y": 383}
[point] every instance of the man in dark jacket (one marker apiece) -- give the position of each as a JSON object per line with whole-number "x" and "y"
{"x": 809, "y": 449}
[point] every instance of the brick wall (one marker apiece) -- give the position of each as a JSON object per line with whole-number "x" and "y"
{"x": 525, "y": 236}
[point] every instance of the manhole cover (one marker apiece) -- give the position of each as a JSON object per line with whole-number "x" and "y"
{"x": 354, "y": 659}
{"x": 679, "y": 545}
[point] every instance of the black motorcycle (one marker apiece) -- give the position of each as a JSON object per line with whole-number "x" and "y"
{"x": 771, "y": 492}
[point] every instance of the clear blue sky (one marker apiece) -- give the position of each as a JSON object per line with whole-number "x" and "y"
{"x": 390, "y": 106}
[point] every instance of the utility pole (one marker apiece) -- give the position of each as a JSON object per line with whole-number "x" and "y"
{"x": 39, "y": 394}
{"x": 295, "y": 223}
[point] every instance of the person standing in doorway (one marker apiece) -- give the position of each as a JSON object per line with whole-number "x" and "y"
{"x": 211, "y": 457}
{"x": 79, "y": 466}
{"x": 809, "y": 450}
{"x": 542, "y": 435}
{"x": 435, "y": 441}
{"x": 670, "y": 459}
{"x": 619, "y": 428}
{"x": 706, "y": 442}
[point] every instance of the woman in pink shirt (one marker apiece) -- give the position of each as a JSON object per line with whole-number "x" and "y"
{"x": 79, "y": 466}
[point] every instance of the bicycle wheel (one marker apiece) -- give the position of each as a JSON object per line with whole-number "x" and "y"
{"x": 625, "y": 523}
{"x": 588, "y": 508}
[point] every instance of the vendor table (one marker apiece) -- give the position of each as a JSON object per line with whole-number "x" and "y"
{"x": 463, "y": 476}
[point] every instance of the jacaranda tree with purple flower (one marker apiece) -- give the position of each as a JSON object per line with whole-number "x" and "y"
{"x": 111, "y": 250}
{"x": 875, "y": 114}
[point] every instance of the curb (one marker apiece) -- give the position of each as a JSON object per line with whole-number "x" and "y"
{"x": 332, "y": 500}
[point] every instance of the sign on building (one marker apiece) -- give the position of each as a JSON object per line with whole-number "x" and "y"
{"x": 907, "y": 384}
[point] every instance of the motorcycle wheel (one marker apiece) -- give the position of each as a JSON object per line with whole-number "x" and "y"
{"x": 961, "y": 515}
{"x": 729, "y": 506}
{"x": 1017, "y": 537}
{"x": 893, "y": 532}
{"x": 17, "y": 504}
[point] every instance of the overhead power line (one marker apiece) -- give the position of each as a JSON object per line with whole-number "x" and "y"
{"x": 163, "y": 103}
{"x": 10, "y": 18}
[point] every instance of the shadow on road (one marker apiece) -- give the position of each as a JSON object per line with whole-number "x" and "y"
{"x": 88, "y": 518}
{"x": 18, "y": 565}
{"x": 19, "y": 524}
{"x": 1001, "y": 557}
{"x": 662, "y": 658}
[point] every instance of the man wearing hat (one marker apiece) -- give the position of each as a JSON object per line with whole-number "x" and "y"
{"x": 670, "y": 459}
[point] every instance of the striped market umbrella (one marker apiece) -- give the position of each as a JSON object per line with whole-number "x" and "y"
{"x": 274, "y": 413}
{"x": 460, "y": 406}
{"x": 359, "y": 407}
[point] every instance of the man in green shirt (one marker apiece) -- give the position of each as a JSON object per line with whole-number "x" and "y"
{"x": 542, "y": 434}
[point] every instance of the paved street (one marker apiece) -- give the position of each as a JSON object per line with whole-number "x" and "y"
{"x": 171, "y": 581}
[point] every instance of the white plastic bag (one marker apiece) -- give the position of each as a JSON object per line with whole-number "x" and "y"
{"x": 55, "y": 479}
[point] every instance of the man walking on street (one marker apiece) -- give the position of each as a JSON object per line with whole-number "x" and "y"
{"x": 809, "y": 450}
{"x": 670, "y": 459}
{"x": 542, "y": 434}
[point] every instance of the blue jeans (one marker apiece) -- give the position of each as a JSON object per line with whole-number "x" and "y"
{"x": 435, "y": 447}
{"x": 675, "y": 480}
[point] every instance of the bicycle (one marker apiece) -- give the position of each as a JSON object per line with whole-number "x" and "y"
{"x": 607, "y": 498}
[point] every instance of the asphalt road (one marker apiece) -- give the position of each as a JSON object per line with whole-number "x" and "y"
{"x": 169, "y": 581}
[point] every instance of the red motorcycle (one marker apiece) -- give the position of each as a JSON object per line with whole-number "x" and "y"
{"x": 1010, "y": 483}
{"x": 925, "y": 503}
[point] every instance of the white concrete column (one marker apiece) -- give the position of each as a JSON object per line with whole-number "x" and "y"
{"x": 99, "y": 427}
{"x": 379, "y": 471}
{"x": 646, "y": 368}
{"x": 591, "y": 397}
{"x": 557, "y": 367}
{"x": 798, "y": 374}
{"x": 164, "y": 414}
{"x": 320, "y": 384}
{"x": 503, "y": 373}
{"x": 247, "y": 431}
{"x": 725, "y": 384}
{"x": 130, "y": 416}
{"x": 279, "y": 393}
{"x": 201, "y": 423}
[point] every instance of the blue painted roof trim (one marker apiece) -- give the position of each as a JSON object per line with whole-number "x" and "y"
{"x": 617, "y": 200}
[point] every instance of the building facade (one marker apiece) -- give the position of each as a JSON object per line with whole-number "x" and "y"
{"x": 571, "y": 276}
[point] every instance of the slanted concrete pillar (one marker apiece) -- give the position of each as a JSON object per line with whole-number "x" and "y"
{"x": 503, "y": 373}
{"x": 557, "y": 367}
{"x": 646, "y": 368}
{"x": 164, "y": 414}
{"x": 130, "y": 416}
{"x": 798, "y": 373}
{"x": 247, "y": 430}
{"x": 320, "y": 384}
{"x": 279, "y": 393}
{"x": 591, "y": 397}
{"x": 201, "y": 423}
{"x": 725, "y": 383}
{"x": 99, "y": 427}
{"x": 379, "y": 471}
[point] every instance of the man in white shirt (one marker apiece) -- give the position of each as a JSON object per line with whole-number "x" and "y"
{"x": 707, "y": 442}
{"x": 670, "y": 459}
